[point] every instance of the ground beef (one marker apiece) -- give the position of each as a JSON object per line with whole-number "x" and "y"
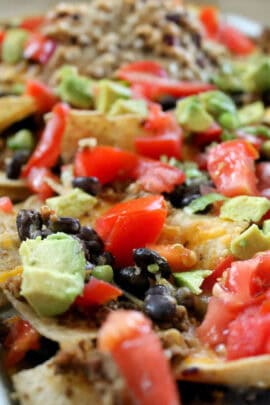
{"x": 105, "y": 34}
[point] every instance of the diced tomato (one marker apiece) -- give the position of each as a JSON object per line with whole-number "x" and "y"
{"x": 244, "y": 288}
{"x": 97, "y": 292}
{"x": 109, "y": 164}
{"x": 158, "y": 177}
{"x": 231, "y": 167}
{"x": 138, "y": 353}
{"x": 263, "y": 175}
{"x": 39, "y": 48}
{"x": 237, "y": 42}
{"x": 36, "y": 181}
{"x": 106, "y": 163}
{"x": 130, "y": 225}
{"x": 32, "y": 23}
{"x": 224, "y": 264}
{"x": 156, "y": 146}
{"x": 214, "y": 328}
{"x": 249, "y": 334}
{"x": 144, "y": 66}
{"x": 211, "y": 135}
{"x": 6, "y": 205}
{"x": 210, "y": 19}
{"x": 159, "y": 122}
{"x": 43, "y": 95}
{"x": 48, "y": 148}
{"x": 159, "y": 86}
{"x": 2, "y": 36}
{"x": 20, "y": 339}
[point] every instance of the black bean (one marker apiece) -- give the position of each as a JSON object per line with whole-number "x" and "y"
{"x": 65, "y": 224}
{"x": 145, "y": 257}
{"x": 184, "y": 297}
{"x": 174, "y": 17}
{"x": 132, "y": 280}
{"x": 183, "y": 195}
{"x": 94, "y": 247}
{"x": 266, "y": 98}
{"x": 239, "y": 98}
{"x": 47, "y": 349}
{"x": 168, "y": 103}
{"x": 160, "y": 307}
{"x": 28, "y": 221}
{"x": 158, "y": 290}
{"x": 103, "y": 259}
{"x": 90, "y": 185}
{"x": 14, "y": 167}
{"x": 87, "y": 233}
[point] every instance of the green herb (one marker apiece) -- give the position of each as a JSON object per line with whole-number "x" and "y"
{"x": 23, "y": 139}
{"x": 192, "y": 279}
{"x": 203, "y": 202}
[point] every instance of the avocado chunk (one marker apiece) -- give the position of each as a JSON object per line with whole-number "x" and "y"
{"x": 22, "y": 139}
{"x": 53, "y": 273}
{"x": 73, "y": 204}
{"x": 13, "y": 45}
{"x": 251, "y": 241}
{"x": 217, "y": 103}
{"x": 245, "y": 208}
{"x": 76, "y": 90}
{"x": 201, "y": 203}
{"x": 258, "y": 75}
{"x": 192, "y": 279}
{"x": 192, "y": 116}
{"x": 251, "y": 114}
{"x": 108, "y": 92}
{"x": 137, "y": 107}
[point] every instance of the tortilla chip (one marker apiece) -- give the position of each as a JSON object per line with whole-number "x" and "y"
{"x": 14, "y": 109}
{"x": 210, "y": 237}
{"x": 65, "y": 332}
{"x": 41, "y": 385}
{"x": 16, "y": 190}
{"x": 248, "y": 372}
{"x": 117, "y": 131}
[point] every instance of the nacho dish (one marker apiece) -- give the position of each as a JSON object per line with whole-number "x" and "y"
{"x": 135, "y": 206}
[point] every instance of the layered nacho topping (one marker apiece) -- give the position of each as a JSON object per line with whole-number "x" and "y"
{"x": 134, "y": 203}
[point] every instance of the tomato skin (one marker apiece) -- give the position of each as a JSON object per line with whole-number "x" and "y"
{"x": 109, "y": 164}
{"x": 106, "y": 163}
{"x": 43, "y": 95}
{"x": 37, "y": 184}
{"x": 157, "y": 177}
{"x": 6, "y": 205}
{"x": 20, "y": 339}
{"x": 224, "y": 264}
{"x": 237, "y": 42}
{"x": 159, "y": 86}
{"x": 32, "y": 23}
{"x": 144, "y": 66}
{"x": 231, "y": 167}
{"x": 130, "y": 225}
{"x": 248, "y": 334}
{"x": 156, "y": 146}
{"x": 39, "y": 48}
{"x": 209, "y": 18}
{"x": 211, "y": 135}
{"x": 97, "y": 292}
{"x": 48, "y": 148}
{"x": 137, "y": 352}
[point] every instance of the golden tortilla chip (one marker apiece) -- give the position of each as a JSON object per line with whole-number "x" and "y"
{"x": 117, "y": 131}
{"x": 14, "y": 189}
{"x": 14, "y": 109}
{"x": 41, "y": 385}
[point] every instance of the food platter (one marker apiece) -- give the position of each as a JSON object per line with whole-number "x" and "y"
{"x": 134, "y": 204}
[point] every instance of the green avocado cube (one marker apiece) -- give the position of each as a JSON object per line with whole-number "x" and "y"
{"x": 13, "y": 45}
{"x": 250, "y": 242}
{"x": 245, "y": 208}
{"x": 192, "y": 116}
{"x": 53, "y": 273}
{"x": 121, "y": 107}
{"x": 192, "y": 279}
{"x": 108, "y": 92}
{"x": 75, "y": 203}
